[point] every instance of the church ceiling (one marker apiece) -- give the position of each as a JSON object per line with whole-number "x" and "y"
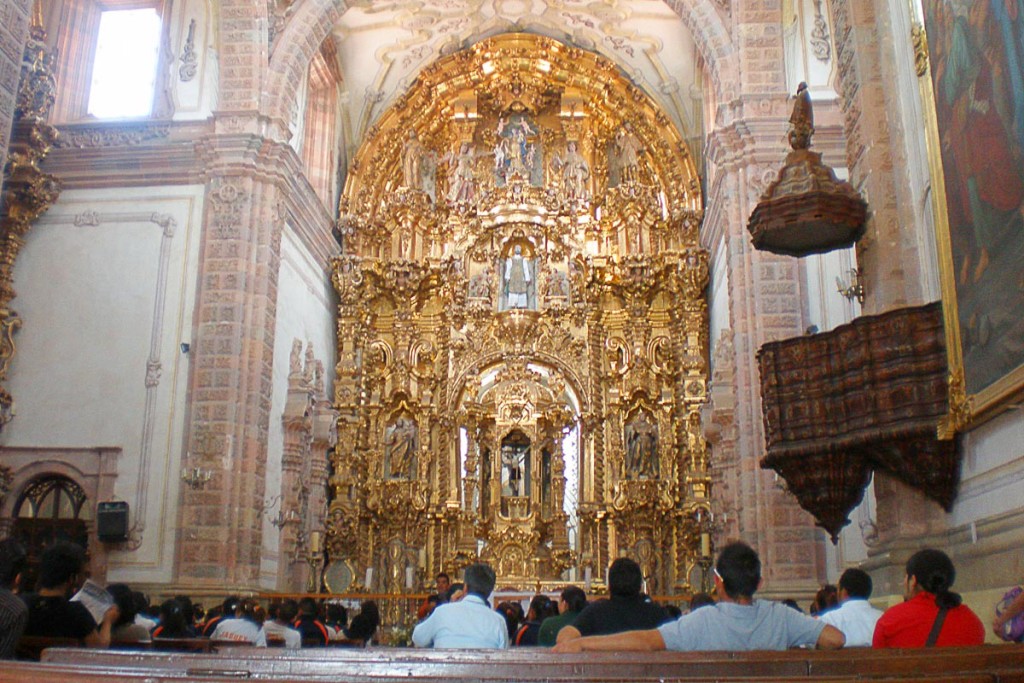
{"x": 383, "y": 46}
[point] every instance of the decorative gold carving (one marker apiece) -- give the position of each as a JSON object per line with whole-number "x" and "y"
{"x": 27, "y": 191}
{"x": 961, "y": 407}
{"x": 523, "y": 282}
{"x": 919, "y": 39}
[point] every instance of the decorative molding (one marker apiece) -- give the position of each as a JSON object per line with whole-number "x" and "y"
{"x": 189, "y": 60}
{"x": 120, "y": 136}
{"x": 821, "y": 43}
{"x": 919, "y": 39}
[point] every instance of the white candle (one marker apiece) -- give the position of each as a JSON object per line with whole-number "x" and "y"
{"x": 587, "y": 575}
{"x": 423, "y": 556}
{"x": 408, "y": 576}
{"x": 705, "y": 545}
{"x": 369, "y": 577}
{"x": 314, "y": 541}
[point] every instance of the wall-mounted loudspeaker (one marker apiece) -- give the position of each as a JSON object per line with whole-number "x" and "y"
{"x": 112, "y": 522}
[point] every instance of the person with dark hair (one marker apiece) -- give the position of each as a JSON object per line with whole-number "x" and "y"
{"x": 141, "y": 604}
{"x": 698, "y": 600}
{"x": 314, "y": 632}
{"x": 855, "y": 616}
{"x": 227, "y": 611}
{"x": 125, "y": 630}
{"x": 443, "y": 582}
{"x": 792, "y": 604}
{"x": 466, "y": 623}
{"x": 51, "y": 613}
{"x": 826, "y": 599}
{"x": 13, "y": 612}
{"x": 279, "y": 628}
{"x": 736, "y": 622}
{"x": 931, "y": 613}
{"x": 335, "y": 619}
{"x": 627, "y": 609}
{"x": 242, "y": 627}
{"x": 528, "y": 632}
{"x": 570, "y": 603}
{"x": 364, "y": 625}
{"x": 510, "y": 614}
{"x": 173, "y": 621}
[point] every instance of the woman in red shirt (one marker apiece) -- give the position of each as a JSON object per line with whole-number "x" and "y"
{"x": 930, "y": 574}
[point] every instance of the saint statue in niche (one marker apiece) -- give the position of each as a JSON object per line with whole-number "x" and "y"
{"x": 413, "y": 155}
{"x": 513, "y": 469}
{"x": 400, "y": 448}
{"x": 641, "y": 448}
{"x": 518, "y": 281}
{"x": 575, "y": 173}
{"x": 515, "y": 154}
{"x": 625, "y": 161}
{"x": 461, "y": 178}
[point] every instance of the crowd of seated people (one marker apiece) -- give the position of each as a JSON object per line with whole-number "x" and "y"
{"x": 459, "y": 615}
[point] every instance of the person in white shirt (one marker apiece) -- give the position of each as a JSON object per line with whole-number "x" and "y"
{"x": 855, "y": 616}
{"x": 279, "y": 629}
{"x": 242, "y": 628}
{"x": 467, "y": 623}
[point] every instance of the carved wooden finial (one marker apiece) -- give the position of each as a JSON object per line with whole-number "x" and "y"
{"x": 802, "y": 119}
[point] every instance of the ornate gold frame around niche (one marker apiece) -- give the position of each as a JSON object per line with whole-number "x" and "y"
{"x": 968, "y": 406}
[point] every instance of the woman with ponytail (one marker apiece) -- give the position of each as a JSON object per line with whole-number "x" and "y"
{"x": 931, "y": 614}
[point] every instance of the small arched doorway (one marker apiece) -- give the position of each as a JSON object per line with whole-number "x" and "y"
{"x": 51, "y": 508}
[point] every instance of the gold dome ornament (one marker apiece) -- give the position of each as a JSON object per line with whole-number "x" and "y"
{"x": 807, "y": 210}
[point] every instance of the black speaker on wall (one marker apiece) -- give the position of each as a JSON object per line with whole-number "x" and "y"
{"x": 112, "y": 522}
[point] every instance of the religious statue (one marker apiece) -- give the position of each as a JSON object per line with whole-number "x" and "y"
{"x": 628, "y": 150}
{"x": 413, "y": 155}
{"x": 517, "y": 279}
{"x": 641, "y": 448}
{"x": 513, "y": 462}
{"x": 802, "y": 119}
{"x": 461, "y": 178}
{"x": 514, "y": 154}
{"x": 575, "y": 173}
{"x": 400, "y": 448}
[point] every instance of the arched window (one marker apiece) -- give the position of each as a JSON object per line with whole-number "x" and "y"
{"x": 51, "y": 508}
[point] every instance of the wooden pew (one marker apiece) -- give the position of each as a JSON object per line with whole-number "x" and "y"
{"x": 986, "y": 663}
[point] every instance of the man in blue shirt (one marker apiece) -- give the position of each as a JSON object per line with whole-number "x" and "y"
{"x": 466, "y": 623}
{"x": 736, "y": 622}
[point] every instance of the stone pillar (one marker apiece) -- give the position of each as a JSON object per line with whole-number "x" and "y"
{"x": 220, "y": 545}
{"x": 14, "y": 22}
{"x": 297, "y": 421}
{"x": 764, "y": 300}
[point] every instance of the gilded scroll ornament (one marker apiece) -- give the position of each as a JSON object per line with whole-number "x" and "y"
{"x": 919, "y": 39}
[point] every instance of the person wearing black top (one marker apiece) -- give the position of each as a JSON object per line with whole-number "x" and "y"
{"x": 314, "y": 632}
{"x": 626, "y": 610}
{"x": 364, "y": 624}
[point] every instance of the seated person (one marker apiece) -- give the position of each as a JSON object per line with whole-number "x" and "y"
{"x": 125, "y": 630}
{"x": 364, "y": 625}
{"x": 241, "y": 627}
{"x": 51, "y": 613}
{"x": 173, "y": 621}
{"x": 466, "y": 623}
{"x": 227, "y": 611}
{"x": 855, "y": 616}
{"x": 336, "y": 619}
{"x": 929, "y": 608}
{"x": 314, "y": 632}
{"x": 626, "y": 610}
{"x": 280, "y": 629}
{"x": 735, "y": 622}
{"x": 570, "y": 603}
{"x": 13, "y": 612}
{"x": 540, "y": 609}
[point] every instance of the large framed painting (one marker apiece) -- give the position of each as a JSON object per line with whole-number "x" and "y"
{"x": 974, "y": 102}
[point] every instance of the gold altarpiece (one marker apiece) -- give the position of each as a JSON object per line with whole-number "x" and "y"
{"x": 522, "y": 322}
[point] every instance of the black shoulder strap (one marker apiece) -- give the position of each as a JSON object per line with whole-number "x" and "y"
{"x": 936, "y": 627}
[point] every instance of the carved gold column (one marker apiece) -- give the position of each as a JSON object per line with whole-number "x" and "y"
{"x": 27, "y": 191}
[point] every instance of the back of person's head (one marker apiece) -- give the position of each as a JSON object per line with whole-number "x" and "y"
{"x": 172, "y": 620}
{"x": 935, "y": 574}
{"x": 287, "y": 611}
{"x": 740, "y": 570}
{"x": 792, "y": 604}
{"x": 856, "y": 583}
{"x": 365, "y": 624}
{"x": 140, "y": 602}
{"x": 698, "y": 600}
{"x": 511, "y": 618}
{"x": 825, "y": 599}
{"x": 456, "y": 587}
{"x": 625, "y": 578}
{"x": 251, "y": 610}
{"x": 307, "y": 607}
{"x": 122, "y": 595}
{"x": 186, "y": 605}
{"x": 60, "y": 563}
{"x": 674, "y": 611}
{"x": 539, "y": 606}
{"x": 229, "y": 607}
{"x": 480, "y": 579}
{"x": 574, "y": 597}
{"x": 336, "y": 613}
{"x": 12, "y": 562}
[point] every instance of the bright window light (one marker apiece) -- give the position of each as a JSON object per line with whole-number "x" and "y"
{"x": 124, "y": 73}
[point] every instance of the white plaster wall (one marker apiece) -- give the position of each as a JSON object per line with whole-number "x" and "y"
{"x": 992, "y": 471}
{"x": 194, "y": 99}
{"x": 718, "y": 296}
{"x": 106, "y": 285}
{"x": 826, "y": 307}
{"x": 802, "y": 64}
{"x": 305, "y": 311}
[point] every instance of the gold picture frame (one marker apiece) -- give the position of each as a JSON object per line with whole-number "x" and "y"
{"x": 974, "y": 126}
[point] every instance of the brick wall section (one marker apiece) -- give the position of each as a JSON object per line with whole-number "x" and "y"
{"x": 759, "y": 41}
{"x": 862, "y": 88}
{"x": 243, "y": 54}
{"x": 14, "y": 21}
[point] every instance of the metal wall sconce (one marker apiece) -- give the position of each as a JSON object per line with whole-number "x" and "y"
{"x": 283, "y": 518}
{"x": 195, "y": 477}
{"x": 853, "y": 290}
